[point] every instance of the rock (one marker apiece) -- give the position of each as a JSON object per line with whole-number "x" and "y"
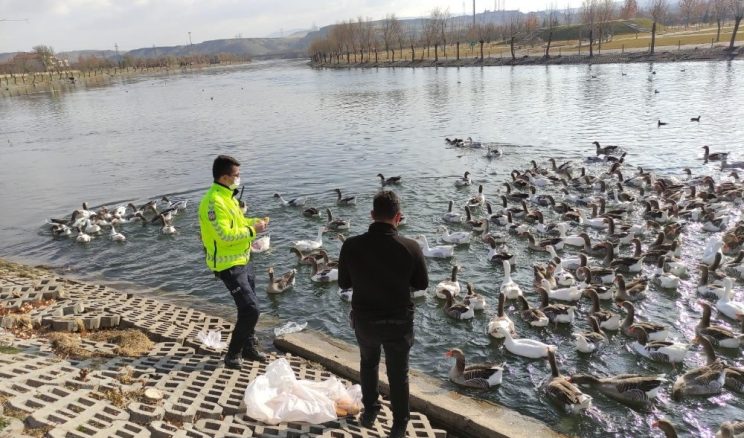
{"x": 153, "y": 395}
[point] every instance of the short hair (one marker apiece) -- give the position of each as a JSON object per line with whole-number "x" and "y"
{"x": 223, "y": 165}
{"x": 385, "y": 205}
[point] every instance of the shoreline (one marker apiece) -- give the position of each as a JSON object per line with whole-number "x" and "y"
{"x": 66, "y": 344}
{"x": 661, "y": 56}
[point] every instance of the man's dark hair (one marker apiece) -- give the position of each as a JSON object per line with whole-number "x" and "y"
{"x": 223, "y": 165}
{"x": 385, "y": 205}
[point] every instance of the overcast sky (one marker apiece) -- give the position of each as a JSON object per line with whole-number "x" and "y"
{"x": 99, "y": 24}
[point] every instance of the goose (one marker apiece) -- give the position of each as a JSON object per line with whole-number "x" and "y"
{"x": 345, "y": 294}
{"x": 717, "y": 335}
{"x": 509, "y": 289}
{"x": 524, "y": 347}
{"x": 658, "y": 351}
{"x": 695, "y": 119}
{"x": 469, "y": 143}
{"x": 261, "y": 244}
{"x": 585, "y": 276}
{"x": 714, "y": 224}
{"x": 347, "y": 200}
{"x": 676, "y": 267}
{"x": 600, "y": 249}
{"x": 464, "y": 181}
{"x": 654, "y": 332}
{"x": 457, "y": 238}
{"x": 82, "y": 237}
{"x": 598, "y": 223}
{"x": 606, "y": 150}
{"x": 323, "y": 274}
{"x": 281, "y": 284}
{"x": 569, "y": 294}
{"x": 168, "y": 229}
{"x": 576, "y": 240}
{"x": 659, "y": 123}
{"x": 501, "y": 321}
{"x": 92, "y": 228}
{"x": 482, "y": 376}
{"x": 115, "y": 236}
{"x": 731, "y": 309}
{"x": 713, "y": 247}
{"x": 476, "y": 300}
{"x": 542, "y": 245}
{"x": 493, "y": 152}
{"x": 725, "y": 164}
{"x": 663, "y": 279}
{"x": 477, "y": 225}
{"x": 311, "y": 212}
{"x": 452, "y": 216}
{"x": 304, "y": 259}
{"x": 731, "y": 429}
{"x": 559, "y": 388}
{"x": 393, "y": 180}
{"x": 516, "y": 196}
{"x": 450, "y": 285}
{"x": 618, "y": 237}
{"x": 705, "y": 380}
{"x": 309, "y": 245}
{"x": 595, "y": 275}
{"x": 666, "y": 427}
{"x": 634, "y": 389}
{"x": 713, "y": 290}
{"x": 562, "y": 277}
{"x": 716, "y": 156}
{"x": 607, "y": 320}
{"x": 294, "y": 202}
{"x": 61, "y": 230}
{"x": 735, "y": 267}
{"x": 478, "y": 200}
{"x": 534, "y": 317}
{"x": 336, "y": 224}
{"x": 456, "y": 310}
{"x": 442, "y": 251}
{"x": 634, "y": 291}
{"x": 590, "y": 341}
{"x": 556, "y": 313}
{"x": 498, "y": 254}
{"x": 735, "y": 379}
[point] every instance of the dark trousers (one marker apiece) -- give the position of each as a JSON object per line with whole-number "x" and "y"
{"x": 240, "y": 281}
{"x": 396, "y": 338}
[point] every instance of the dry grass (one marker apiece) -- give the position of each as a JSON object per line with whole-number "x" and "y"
{"x": 68, "y": 345}
{"x": 120, "y": 398}
{"x": 40, "y": 432}
{"x": 130, "y": 342}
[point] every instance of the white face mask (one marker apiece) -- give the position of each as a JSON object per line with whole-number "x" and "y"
{"x": 235, "y": 184}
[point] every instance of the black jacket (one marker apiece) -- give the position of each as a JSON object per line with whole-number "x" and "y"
{"x": 382, "y": 268}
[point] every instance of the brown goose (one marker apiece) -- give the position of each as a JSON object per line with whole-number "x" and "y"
{"x": 281, "y": 284}
{"x": 634, "y": 389}
{"x": 706, "y": 380}
{"x": 633, "y": 291}
{"x": 735, "y": 379}
{"x": 562, "y": 391}
{"x": 655, "y": 332}
{"x": 534, "y": 317}
{"x": 304, "y": 257}
{"x": 591, "y": 340}
{"x": 481, "y": 376}
{"x": 666, "y": 427}
{"x": 456, "y": 310}
{"x": 477, "y": 225}
{"x": 608, "y": 320}
{"x": 731, "y": 429}
{"x": 556, "y": 313}
{"x": 717, "y": 335}
{"x": 335, "y": 223}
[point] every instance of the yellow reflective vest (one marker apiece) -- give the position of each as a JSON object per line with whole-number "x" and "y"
{"x": 225, "y": 232}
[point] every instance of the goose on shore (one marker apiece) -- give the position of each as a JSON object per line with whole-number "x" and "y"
{"x": 564, "y": 393}
{"x": 634, "y": 389}
{"x": 281, "y": 284}
{"x": 480, "y": 376}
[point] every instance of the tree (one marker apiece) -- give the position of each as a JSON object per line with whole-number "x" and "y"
{"x": 552, "y": 23}
{"x": 605, "y": 14}
{"x": 737, "y": 6}
{"x": 45, "y": 54}
{"x": 429, "y": 35}
{"x": 513, "y": 29}
{"x": 629, "y": 10}
{"x": 688, "y": 8}
{"x": 589, "y": 18}
{"x": 659, "y": 9}
{"x": 389, "y": 26}
{"x": 568, "y": 15}
{"x": 720, "y": 9}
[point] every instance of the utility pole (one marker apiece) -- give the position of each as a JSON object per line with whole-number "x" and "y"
{"x": 190, "y": 43}
{"x": 116, "y": 48}
{"x": 473, "y": 14}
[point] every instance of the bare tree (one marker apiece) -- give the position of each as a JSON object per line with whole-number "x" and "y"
{"x": 552, "y": 23}
{"x": 720, "y": 10}
{"x": 589, "y": 19}
{"x": 435, "y": 29}
{"x": 456, "y": 34}
{"x": 737, "y": 6}
{"x": 605, "y": 14}
{"x": 513, "y": 29}
{"x": 429, "y": 34}
{"x": 688, "y": 8}
{"x": 629, "y": 10}
{"x": 388, "y": 34}
{"x": 568, "y": 15}
{"x": 659, "y": 10}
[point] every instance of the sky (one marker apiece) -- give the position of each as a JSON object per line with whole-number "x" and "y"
{"x": 100, "y": 24}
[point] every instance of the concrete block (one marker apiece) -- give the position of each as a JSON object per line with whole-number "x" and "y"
{"x": 224, "y": 428}
{"x": 142, "y": 413}
{"x": 161, "y": 429}
{"x": 110, "y": 321}
{"x": 118, "y": 428}
{"x": 64, "y": 324}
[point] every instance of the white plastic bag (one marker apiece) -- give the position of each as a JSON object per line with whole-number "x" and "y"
{"x": 290, "y": 327}
{"x": 277, "y": 396}
{"x": 211, "y": 339}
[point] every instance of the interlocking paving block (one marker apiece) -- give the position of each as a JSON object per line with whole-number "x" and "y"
{"x": 110, "y": 321}
{"x": 161, "y": 429}
{"x": 170, "y": 349}
{"x": 13, "y": 428}
{"x": 118, "y": 428}
{"x": 224, "y": 428}
{"x": 143, "y": 413}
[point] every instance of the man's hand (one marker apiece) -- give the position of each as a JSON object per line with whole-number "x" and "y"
{"x": 260, "y": 226}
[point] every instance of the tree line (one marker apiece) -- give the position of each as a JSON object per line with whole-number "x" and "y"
{"x": 366, "y": 40}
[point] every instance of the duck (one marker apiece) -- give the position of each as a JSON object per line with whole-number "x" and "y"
{"x": 477, "y": 225}
{"x": 591, "y": 341}
{"x": 532, "y": 316}
{"x": 311, "y": 212}
{"x": 500, "y": 321}
{"x": 464, "y": 181}
{"x": 309, "y": 245}
{"x": 478, "y": 200}
{"x": 281, "y": 284}
{"x": 731, "y": 309}
{"x": 731, "y": 429}
{"x": 664, "y": 280}
{"x": 82, "y": 237}
{"x": 716, "y": 156}
{"x": 476, "y": 300}
{"x": 481, "y": 376}
{"x": 654, "y": 332}
{"x": 344, "y": 200}
{"x": 634, "y": 389}
{"x": 718, "y": 335}
{"x": 116, "y": 236}
{"x": 659, "y": 122}
{"x": 456, "y": 310}
{"x": 658, "y": 351}
{"x": 634, "y": 291}
{"x": 706, "y": 380}
{"x": 294, "y": 202}
{"x": 456, "y": 238}
{"x": 564, "y": 393}
{"x": 323, "y": 274}
{"x": 524, "y": 347}
{"x": 556, "y": 313}
{"x": 450, "y": 285}
{"x": 393, "y": 180}
{"x": 441, "y": 251}
{"x": 167, "y": 228}
{"x": 607, "y": 319}
{"x": 452, "y": 216}
{"x": 336, "y": 223}
{"x": 606, "y": 150}
{"x": 509, "y": 289}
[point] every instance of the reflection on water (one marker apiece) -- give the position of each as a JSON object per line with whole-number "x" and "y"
{"x": 300, "y": 131}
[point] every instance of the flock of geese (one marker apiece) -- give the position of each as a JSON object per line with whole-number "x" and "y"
{"x": 607, "y": 236}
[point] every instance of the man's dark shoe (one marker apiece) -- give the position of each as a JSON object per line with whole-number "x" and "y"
{"x": 398, "y": 430}
{"x": 250, "y": 352}
{"x": 232, "y": 361}
{"x": 368, "y": 417}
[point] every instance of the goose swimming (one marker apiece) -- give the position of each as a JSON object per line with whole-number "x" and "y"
{"x": 294, "y": 202}
{"x": 347, "y": 200}
{"x": 480, "y": 376}
{"x": 393, "y": 180}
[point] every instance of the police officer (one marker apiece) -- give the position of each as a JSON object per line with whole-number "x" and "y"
{"x": 382, "y": 268}
{"x": 227, "y": 235}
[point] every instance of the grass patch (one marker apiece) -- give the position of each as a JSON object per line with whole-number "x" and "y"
{"x": 120, "y": 398}
{"x": 130, "y": 342}
{"x": 3, "y": 423}
{"x": 38, "y": 432}
{"x": 9, "y": 350}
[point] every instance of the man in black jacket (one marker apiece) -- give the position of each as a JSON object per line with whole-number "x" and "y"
{"x": 382, "y": 268}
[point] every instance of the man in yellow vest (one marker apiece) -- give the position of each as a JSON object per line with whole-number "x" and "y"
{"x": 227, "y": 235}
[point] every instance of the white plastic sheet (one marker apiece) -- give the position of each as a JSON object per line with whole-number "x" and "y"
{"x": 290, "y": 327}
{"x": 211, "y": 339}
{"x": 277, "y": 396}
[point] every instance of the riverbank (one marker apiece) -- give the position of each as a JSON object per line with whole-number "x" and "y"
{"x": 86, "y": 360}
{"x": 613, "y": 57}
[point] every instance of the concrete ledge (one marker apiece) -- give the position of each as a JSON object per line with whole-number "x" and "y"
{"x": 448, "y": 409}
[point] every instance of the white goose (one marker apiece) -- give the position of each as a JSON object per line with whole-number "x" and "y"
{"x": 575, "y": 240}
{"x": 478, "y": 200}
{"x": 323, "y": 274}
{"x": 500, "y": 321}
{"x": 464, "y": 181}
{"x": 714, "y": 247}
{"x": 91, "y": 228}
{"x": 82, "y": 237}
{"x": 732, "y": 309}
{"x": 442, "y": 251}
{"x": 451, "y": 285}
{"x": 524, "y": 347}
{"x": 572, "y": 293}
{"x": 659, "y": 351}
{"x": 509, "y": 289}
{"x": 295, "y": 202}
{"x": 115, "y": 236}
{"x": 456, "y": 238}
{"x": 664, "y": 280}
{"x": 309, "y": 245}
{"x": 168, "y": 229}
{"x": 450, "y": 216}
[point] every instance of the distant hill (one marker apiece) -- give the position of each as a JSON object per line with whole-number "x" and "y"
{"x": 253, "y": 47}
{"x": 4, "y": 57}
{"x": 74, "y": 55}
